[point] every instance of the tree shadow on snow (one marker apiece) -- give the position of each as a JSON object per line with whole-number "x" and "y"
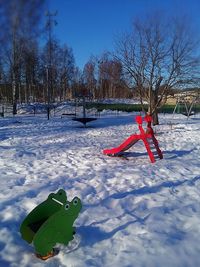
{"x": 147, "y": 190}
{"x": 153, "y": 189}
{"x": 176, "y": 153}
{"x": 93, "y": 234}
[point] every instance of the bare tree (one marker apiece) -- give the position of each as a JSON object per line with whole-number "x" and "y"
{"x": 156, "y": 56}
{"x": 30, "y": 71}
{"x": 20, "y": 20}
{"x": 66, "y": 71}
{"x": 78, "y": 83}
{"x": 89, "y": 77}
{"x": 110, "y": 77}
{"x": 61, "y": 73}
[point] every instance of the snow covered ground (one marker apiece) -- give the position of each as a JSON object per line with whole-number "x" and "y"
{"x": 135, "y": 214}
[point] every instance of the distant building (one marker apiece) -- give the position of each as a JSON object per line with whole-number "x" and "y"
{"x": 184, "y": 96}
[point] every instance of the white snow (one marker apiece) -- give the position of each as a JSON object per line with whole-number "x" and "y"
{"x": 135, "y": 213}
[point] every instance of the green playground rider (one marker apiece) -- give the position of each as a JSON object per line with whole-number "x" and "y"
{"x": 51, "y": 222}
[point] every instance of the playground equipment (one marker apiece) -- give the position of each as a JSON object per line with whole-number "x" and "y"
{"x": 147, "y": 137}
{"x": 84, "y": 119}
{"x": 51, "y": 222}
{"x": 185, "y": 103}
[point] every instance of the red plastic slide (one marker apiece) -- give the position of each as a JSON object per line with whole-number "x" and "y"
{"x": 146, "y": 137}
{"x": 129, "y": 142}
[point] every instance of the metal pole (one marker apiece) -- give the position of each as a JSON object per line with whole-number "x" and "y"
{"x": 84, "y": 115}
{"x": 48, "y": 98}
{"x": 49, "y": 67}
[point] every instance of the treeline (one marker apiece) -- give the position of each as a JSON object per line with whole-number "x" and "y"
{"x": 34, "y": 78}
{"x": 35, "y": 66}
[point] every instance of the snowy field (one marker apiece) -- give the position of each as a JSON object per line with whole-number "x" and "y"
{"x": 135, "y": 213}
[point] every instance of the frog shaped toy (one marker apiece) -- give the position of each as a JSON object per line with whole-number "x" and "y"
{"x": 51, "y": 222}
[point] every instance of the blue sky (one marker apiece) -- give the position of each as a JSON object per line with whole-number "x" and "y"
{"x": 90, "y": 26}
